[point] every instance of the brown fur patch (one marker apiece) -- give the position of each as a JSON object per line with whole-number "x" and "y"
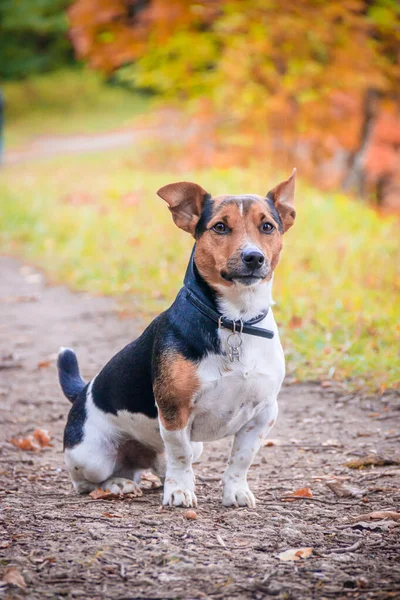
{"x": 244, "y": 216}
{"x": 174, "y": 387}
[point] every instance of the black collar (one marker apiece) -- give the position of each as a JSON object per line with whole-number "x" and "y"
{"x": 201, "y": 295}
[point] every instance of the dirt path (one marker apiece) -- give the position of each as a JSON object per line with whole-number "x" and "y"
{"x": 49, "y": 146}
{"x": 67, "y": 546}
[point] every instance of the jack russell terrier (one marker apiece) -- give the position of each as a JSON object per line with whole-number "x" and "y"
{"x": 209, "y": 367}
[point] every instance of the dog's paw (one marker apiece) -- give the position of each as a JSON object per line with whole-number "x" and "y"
{"x": 179, "y": 491}
{"x": 120, "y": 485}
{"x": 238, "y": 494}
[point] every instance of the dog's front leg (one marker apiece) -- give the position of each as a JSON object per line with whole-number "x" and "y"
{"x": 246, "y": 444}
{"x": 179, "y": 479}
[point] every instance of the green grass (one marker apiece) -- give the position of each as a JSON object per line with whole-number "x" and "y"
{"x": 66, "y": 102}
{"x": 95, "y": 223}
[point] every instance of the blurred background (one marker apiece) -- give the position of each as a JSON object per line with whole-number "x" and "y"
{"x": 104, "y": 101}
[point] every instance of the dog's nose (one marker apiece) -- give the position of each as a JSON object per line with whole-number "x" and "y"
{"x": 253, "y": 258}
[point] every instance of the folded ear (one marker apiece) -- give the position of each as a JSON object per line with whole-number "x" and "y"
{"x": 185, "y": 201}
{"x": 283, "y": 197}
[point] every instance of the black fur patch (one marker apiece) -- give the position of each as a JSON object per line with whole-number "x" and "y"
{"x": 126, "y": 382}
{"x": 73, "y": 433}
{"x": 205, "y": 216}
{"x": 274, "y": 213}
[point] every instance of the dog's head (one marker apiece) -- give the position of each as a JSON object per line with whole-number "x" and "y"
{"x": 239, "y": 238}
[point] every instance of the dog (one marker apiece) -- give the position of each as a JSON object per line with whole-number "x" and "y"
{"x": 209, "y": 367}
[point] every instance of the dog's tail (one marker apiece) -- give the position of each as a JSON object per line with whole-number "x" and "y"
{"x": 68, "y": 374}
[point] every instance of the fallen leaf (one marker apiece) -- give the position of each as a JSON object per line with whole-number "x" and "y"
{"x": 99, "y": 494}
{"x": 150, "y": 481}
{"x": 190, "y": 515}
{"x": 42, "y": 437}
{"x": 295, "y": 554}
{"x": 378, "y": 514}
{"x": 272, "y": 442}
{"x": 371, "y": 460}
{"x": 28, "y": 444}
{"x": 344, "y": 490}
{"x": 13, "y": 577}
{"x": 301, "y": 493}
{"x": 44, "y": 364}
{"x": 111, "y": 515}
{"x": 32, "y": 443}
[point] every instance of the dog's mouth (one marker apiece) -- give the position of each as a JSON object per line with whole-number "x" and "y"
{"x": 247, "y": 280}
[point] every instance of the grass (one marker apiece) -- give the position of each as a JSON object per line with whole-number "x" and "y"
{"x": 65, "y": 102}
{"x": 94, "y": 222}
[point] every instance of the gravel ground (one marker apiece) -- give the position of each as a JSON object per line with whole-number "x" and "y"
{"x": 55, "y": 544}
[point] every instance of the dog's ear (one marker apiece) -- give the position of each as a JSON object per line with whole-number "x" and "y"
{"x": 185, "y": 201}
{"x": 283, "y": 197}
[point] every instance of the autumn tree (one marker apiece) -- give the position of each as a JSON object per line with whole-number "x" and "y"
{"x": 307, "y": 80}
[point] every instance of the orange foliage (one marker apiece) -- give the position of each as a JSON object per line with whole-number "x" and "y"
{"x": 288, "y": 79}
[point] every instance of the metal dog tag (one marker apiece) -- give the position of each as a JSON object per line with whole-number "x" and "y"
{"x": 234, "y": 342}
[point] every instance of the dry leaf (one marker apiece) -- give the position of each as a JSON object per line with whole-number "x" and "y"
{"x": 343, "y": 490}
{"x": 301, "y": 493}
{"x": 13, "y": 577}
{"x": 28, "y": 444}
{"x": 190, "y": 515}
{"x": 42, "y": 437}
{"x": 150, "y": 481}
{"x": 100, "y": 494}
{"x": 32, "y": 443}
{"x": 371, "y": 460}
{"x": 378, "y": 514}
{"x": 272, "y": 442}
{"x": 44, "y": 364}
{"x": 295, "y": 554}
{"x": 111, "y": 515}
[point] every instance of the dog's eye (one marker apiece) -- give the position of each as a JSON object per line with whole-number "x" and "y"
{"x": 267, "y": 227}
{"x": 220, "y": 227}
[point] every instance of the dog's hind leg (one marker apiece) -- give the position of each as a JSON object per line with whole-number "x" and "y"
{"x": 92, "y": 444}
{"x": 89, "y": 465}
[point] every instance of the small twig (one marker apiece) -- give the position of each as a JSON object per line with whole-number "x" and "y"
{"x": 220, "y": 540}
{"x": 351, "y": 548}
{"x": 313, "y": 500}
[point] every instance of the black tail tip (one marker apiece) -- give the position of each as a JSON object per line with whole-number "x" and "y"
{"x": 67, "y": 360}
{"x": 68, "y": 372}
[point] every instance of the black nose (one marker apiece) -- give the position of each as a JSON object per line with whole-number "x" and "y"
{"x": 253, "y": 258}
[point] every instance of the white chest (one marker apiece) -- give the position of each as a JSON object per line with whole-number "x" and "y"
{"x": 232, "y": 393}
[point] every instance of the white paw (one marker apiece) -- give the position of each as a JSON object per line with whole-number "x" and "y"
{"x": 238, "y": 493}
{"x": 179, "y": 490}
{"x": 120, "y": 485}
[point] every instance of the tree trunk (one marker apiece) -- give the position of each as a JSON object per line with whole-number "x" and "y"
{"x": 355, "y": 177}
